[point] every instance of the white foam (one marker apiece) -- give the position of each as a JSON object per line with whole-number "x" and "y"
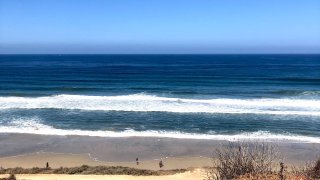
{"x": 33, "y": 126}
{"x": 142, "y": 102}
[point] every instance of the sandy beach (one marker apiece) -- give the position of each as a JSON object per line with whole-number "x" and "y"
{"x": 28, "y": 151}
{"x": 57, "y": 160}
{"x": 34, "y": 152}
{"x": 190, "y": 175}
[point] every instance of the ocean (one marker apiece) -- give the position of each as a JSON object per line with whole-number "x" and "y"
{"x": 223, "y": 97}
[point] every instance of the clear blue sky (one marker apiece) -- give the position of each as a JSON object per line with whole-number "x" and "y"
{"x": 159, "y": 26}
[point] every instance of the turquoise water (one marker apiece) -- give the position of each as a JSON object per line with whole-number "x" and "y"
{"x": 179, "y": 96}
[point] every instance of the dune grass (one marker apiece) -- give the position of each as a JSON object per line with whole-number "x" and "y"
{"x": 257, "y": 160}
{"x": 11, "y": 177}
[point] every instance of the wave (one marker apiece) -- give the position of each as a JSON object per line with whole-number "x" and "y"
{"x": 296, "y": 92}
{"x": 310, "y": 93}
{"x": 33, "y": 126}
{"x": 149, "y": 103}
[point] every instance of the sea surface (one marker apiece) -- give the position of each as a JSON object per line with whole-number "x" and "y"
{"x": 227, "y": 97}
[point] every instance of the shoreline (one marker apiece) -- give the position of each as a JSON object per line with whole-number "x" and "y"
{"x": 44, "y": 130}
{"x": 28, "y": 151}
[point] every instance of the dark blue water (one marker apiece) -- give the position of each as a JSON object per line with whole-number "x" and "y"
{"x": 171, "y": 95}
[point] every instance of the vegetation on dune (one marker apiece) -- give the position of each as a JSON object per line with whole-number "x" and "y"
{"x": 240, "y": 159}
{"x": 311, "y": 170}
{"x": 254, "y": 161}
{"x": 11, "y": 177}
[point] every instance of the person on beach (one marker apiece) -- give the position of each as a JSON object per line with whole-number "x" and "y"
{"x": 137, "y": 161}
{"x": 161, "y": 164}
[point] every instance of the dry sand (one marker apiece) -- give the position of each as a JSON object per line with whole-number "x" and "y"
{"x": 197, "y": 174}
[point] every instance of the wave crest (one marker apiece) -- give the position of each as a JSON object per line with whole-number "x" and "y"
{"x": 34, "y": 126}
{"x": 142, "y": 102}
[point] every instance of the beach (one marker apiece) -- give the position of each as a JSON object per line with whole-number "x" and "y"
{"x": 28, "y": 151}
{"x": 35, "y": 151}
{"x": 197, "y": 174}
{"x": 23, "y": 150}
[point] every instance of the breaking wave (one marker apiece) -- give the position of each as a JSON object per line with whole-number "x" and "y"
{"x": 149, "y": 103}
{"x": 34, "y": 126}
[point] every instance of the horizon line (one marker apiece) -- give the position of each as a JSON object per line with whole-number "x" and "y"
{"x": 160, "y": 53}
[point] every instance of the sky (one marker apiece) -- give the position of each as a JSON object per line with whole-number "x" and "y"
{"x": 159, "y": 26}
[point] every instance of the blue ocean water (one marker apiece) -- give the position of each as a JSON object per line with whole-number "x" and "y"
{"x": 180, "y": 96}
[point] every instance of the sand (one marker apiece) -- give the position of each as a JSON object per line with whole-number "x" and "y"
{"x": 57, "y": 160}
{"x": 116, "y": 151}
{"x": 197, "y": 174}
{"x": 27, "y": 151}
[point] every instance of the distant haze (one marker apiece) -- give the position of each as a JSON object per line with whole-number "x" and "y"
{"x": 159, "y": 27}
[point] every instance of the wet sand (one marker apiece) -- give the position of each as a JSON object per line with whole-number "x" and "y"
{"x": 27, "y": 151}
